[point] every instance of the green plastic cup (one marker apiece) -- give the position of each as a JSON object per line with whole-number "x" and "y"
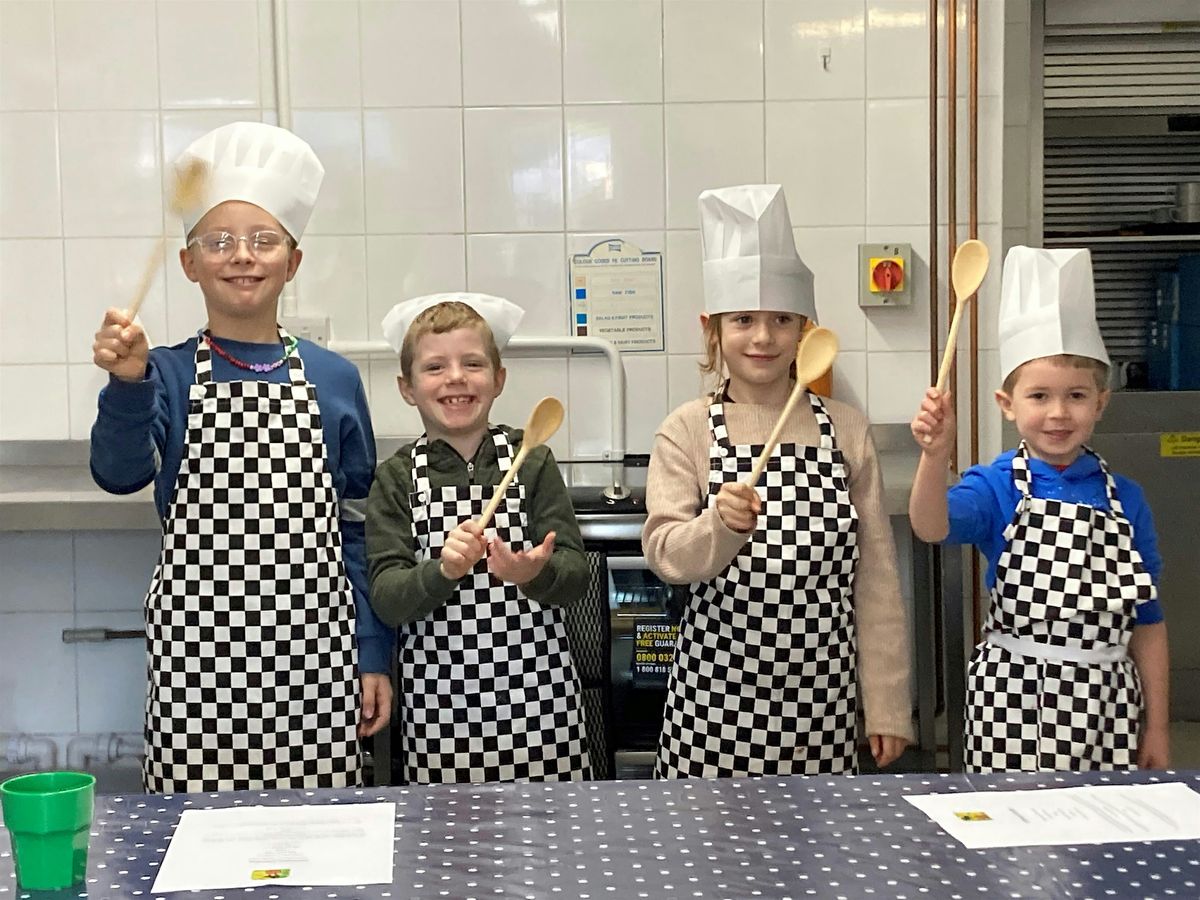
{"x": 49, "y": 818}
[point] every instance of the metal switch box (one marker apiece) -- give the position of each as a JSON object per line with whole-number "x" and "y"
{"x": 885, "y": 274}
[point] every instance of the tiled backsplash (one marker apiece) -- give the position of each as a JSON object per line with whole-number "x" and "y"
{"x": 61, "y": 580}
{"x": 471, "y": 144}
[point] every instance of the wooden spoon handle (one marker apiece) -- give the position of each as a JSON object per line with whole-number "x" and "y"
{"x": 951, "y": 341}
{"x": 490, "y": 509}
{"x": 769, "y": 448}
{"x": 148, "y": 274}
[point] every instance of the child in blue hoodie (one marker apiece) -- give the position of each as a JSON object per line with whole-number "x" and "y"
{"x": 1071, "y": 673}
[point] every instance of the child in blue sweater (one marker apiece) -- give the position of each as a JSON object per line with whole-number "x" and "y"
{"x": 266, "y": 662}
{"x": 1072, "y": 670}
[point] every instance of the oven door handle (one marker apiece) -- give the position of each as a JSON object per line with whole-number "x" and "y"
{"x": 625, "y": 563}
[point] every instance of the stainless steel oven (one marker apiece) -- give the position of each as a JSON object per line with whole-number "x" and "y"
{"x": 640, "y": 624}
{"x": 644, "y": 617}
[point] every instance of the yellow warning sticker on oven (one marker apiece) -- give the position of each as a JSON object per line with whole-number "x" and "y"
{"x": 1179, "y": 443}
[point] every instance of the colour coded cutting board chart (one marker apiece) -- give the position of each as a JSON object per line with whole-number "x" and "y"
{"x": 616, "y": 294}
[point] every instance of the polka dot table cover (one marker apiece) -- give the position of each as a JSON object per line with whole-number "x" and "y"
{"x": 830, "y": 837}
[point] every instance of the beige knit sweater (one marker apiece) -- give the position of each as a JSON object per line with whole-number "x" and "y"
{"x": 682, "y": 546}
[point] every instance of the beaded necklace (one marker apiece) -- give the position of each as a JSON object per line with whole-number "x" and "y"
{"x": 288, "y": 349}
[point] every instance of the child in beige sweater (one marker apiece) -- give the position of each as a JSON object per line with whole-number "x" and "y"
{"x": 790, "y": 578}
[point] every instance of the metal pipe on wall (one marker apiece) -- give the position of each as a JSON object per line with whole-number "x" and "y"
{"x": 942, "y": 621}
{"x": 289, "y": 302}
{"x": 279, "y": 51}
{"x": 973, "y": 213}
{"x": 952, "y": 181}
{"x": 537, "y": 347}
{"x": 934, "y": 306}
{"x": 29, "y": 751}
{"x": 86, "y": 751}
{"x": 99, "y": 635}
{"x": 972, "y": 398}
{"x": 973, "y": 232}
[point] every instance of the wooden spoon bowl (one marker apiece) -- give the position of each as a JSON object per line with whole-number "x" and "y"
{"x": 544, "y": 421}
{"x": 814, "y": 355}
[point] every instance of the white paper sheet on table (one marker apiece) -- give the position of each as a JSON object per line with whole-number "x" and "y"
{"x": 1092, "y": 814}
{"x": 254, "y": 846}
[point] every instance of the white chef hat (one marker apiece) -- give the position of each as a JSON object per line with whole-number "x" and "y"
{"x": 1047, "y": 307}
{"x": 503, "y": 316}
{"x": 260, "y": 164}
{"x": 750, "y": 258}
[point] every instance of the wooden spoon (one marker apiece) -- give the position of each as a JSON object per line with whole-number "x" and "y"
{"x": 190, "y": 186}
{"x": 814, "y": 356}
{"x": 545, "y": 419}
{"x": 966, "y": 274}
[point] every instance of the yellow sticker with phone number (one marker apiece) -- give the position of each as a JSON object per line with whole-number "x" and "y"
{"x": 1179, "y": 443}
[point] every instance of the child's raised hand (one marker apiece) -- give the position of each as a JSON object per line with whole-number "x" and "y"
{"x": 934, "y": 424}
{"x": 464, "y": 547}
{"x": 520, "y": 567}
{"x": 121, "y": 347}
{"x": 738, "y": 505}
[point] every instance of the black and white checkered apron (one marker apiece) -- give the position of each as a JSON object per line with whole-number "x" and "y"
{"x": 764, "y": 679}
{"x": 488, "y": 691}
{"x": 1051, "y": 687}
{"x": 252, "y": 669}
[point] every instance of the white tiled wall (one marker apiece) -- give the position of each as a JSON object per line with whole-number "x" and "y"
{"x": 468, "y": 144}
{"x": 472, "y": 143}
{"x": 55, "y": 581}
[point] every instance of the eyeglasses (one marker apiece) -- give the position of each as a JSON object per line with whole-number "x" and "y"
{"x": 220, "y": 245}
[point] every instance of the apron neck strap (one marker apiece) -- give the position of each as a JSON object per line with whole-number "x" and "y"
{"x": 1110, "y": 483}
{"x": 295, "y": 365}
{"x": 420, "y": 458}
{"x": 1020, "y": 469}
{"x": 504, "y": 452}
{"x": 716, "y": 417}
{"x": 720, "y": 431}
{"x": 203, "y": 360}
{"x": 1024, "y": 482}
{"x": 420, "y": 465}
{"x": 825, "y": 423}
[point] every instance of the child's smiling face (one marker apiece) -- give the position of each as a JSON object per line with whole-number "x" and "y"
{"x": 453, "y": 384}
{"x": 244, "y": 282}
{"x": 759, "y": 347}
{"x": 1055, "y": 406}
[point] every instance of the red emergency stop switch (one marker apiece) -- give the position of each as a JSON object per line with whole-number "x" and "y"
{"x": 882, "y": 273}
{"x": 887, "y": 275}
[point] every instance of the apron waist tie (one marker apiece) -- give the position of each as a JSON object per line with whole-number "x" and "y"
{"x": 1054, "y": 652}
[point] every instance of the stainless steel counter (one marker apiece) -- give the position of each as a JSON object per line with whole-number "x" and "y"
{"x": 48, "y": 487}
{"x": 64, "y": 498}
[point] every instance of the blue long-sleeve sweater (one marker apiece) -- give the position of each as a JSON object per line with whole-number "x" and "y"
{"x": 983, "y": 503}
{"x": 141, "y": 427}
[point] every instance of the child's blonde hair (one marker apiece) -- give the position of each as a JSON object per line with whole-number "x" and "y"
{"x": 1099, "y": 370}
{"x": 440, "y": 319}
{"x": 713, "y": 363}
